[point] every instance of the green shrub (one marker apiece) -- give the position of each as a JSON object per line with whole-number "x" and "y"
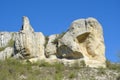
{"x": 2, "y": 48}
{"x": 59, "y": 67}
{"x": 10, "y": 43}
{"x": 59, "y": 76}
{"x": 101, "y": 71}
{"x": 108, "y": 63}
{"x": 83, "y": 63}
{"x": 72, "y": 75}
{"x": 112, "y": 66}
{"x": 46, "y": 40}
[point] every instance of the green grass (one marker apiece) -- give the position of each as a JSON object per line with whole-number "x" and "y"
{"x": 72, "y": 75}
{"x": 112, "y": 66}
{"x": 101, "y": 71}
{"x": 42, "y": 63}
{"x": 12, "y": 69}
{"x": 58, "y": 76}
{"x": 59, "y": 67}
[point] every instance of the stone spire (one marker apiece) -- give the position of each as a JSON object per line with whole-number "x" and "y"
{"x": 26, "y": 25}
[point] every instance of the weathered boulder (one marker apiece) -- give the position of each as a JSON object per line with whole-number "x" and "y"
{"x": 6, "y": 45}
{"x": 85, "y": 40}
{"x": 29, "y": 44}
{"x": 5, "y": 38}
{"x": 95, "y": 44}
{"x": 6, "y": 53}
{"x": 51, "y": 46}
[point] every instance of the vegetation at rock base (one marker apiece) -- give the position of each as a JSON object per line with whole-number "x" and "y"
{"x": 10, "y": 43}
{"x": 113, "y": 66}
{"x": 2, "y": 48}
{"x": 46, "y": 40}
{"x": 72, "y": 75}
{"x": 12, "y": 69}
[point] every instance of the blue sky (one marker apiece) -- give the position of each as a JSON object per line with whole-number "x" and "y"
{"x": 55, "y": 16}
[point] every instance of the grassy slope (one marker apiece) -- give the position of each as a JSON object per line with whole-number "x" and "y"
{"x": 15, "y": 70}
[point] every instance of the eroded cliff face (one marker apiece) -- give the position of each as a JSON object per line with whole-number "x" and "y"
{"x": 29, "y": 44}
{"x": 82, "y": 41}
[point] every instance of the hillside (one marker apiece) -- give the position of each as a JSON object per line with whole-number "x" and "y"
{"x": 15, "y": 70}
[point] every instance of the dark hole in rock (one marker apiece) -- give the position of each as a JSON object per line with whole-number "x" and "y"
{"x": 65, "y": 52}
{"x": 81, "y": 38}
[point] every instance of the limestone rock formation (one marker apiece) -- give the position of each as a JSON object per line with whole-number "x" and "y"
{"x": 5, "y": 38}
{"x": 6, "y": 45}
{"x": 28, "y": 43}
{"x": 51, "y": 47}
{"x": 83, "y": 41}
{"x": 6, "y": 53}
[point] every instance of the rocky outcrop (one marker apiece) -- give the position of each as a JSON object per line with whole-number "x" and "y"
{"x": 5, "y": 38}
{"x": 82, "y": 41}
{"x": 51, "y": 46}
{"x": 6, "y": 45}
{"x": 28, "y": 43}
{"x": 6, "y": 53}
{"x": 25, "y": 44}
{"x": 85, "y": 40}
